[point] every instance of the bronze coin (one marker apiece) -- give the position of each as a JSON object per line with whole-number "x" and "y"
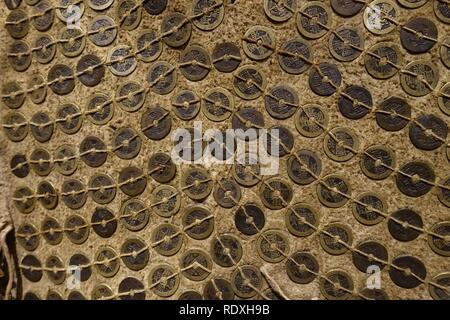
{"x": 19, "y": 55}
{"x": 198, "y": 222}
{"x": 442, "y": 11}
{"x": 72, "y": 41}
{"x": 444, "y": 99}
{"x": 47, "y": 195}
{"x": 190, "y": 295}
{"x": 53, "y": 295}
{"x": 166, "y": 200}
{"x": 107, "y": 261}
{"x": 196, "y": 183}
{"x": 419, "y": 78}
{"x": 259, "y": 42}
{"x": 167, "y": 239}
{"x": 73, "y": 193}
{"x": 314, "y": 20}
{"x": 51, "y": 231}
{"x": 130, "y": 96}
{"x": 438, "y": 238}
{"x": 378, "y": 162}
{"x": 403, "y": 224}
{"x": 373, "y": 294}
{"x": 69, "y": 9}
{"x": 324, "y": 79}
{"x": 17, "y": 23}
{"x": 128, "y": 14}
{"x": 280, "y": 141}
{"x": 61, "y": 79}
{"x": 186, "y": 105}
{"x": 227, "y": 193}
{"x": 15, "y": 126}
{"x": 336, "y": 284}
{"x": 311, "y": 120}
{"x": 90, "y": 70}
{"x": 93, "y": 151}
{"x": 368, "y": 208}
{"x": 245, "y": 119}
{"x": 411, "y": 270}
{"x": 304, "y": 167}
{"x": 275, "y": 193}
{"x": 336, "y": 238}
{"x": 103, "y": 30}
{"x": 45, "y": 46}
{"x": 135, "y": 254}
{"x": 246, "y": 280}
{"x": 132, "y": 181}
{"x": 346, "y": 43}
{"x": 176, "y": 29}
{"x": 383, "y": 60}
{"x": 28, "y": 236}
{"x": 249, "y": 82}
{"x": 346, "y": 8}
{"x": 208, "y": 14}
{"x": 415, "y": 178}
{"x": 76, "y": 295}
{"x": 163, "y": 280}
{"x": 148, "y": 43}
{"x": 249, "y": 219}
{"x": 226, "y": 250}
{"x": 66, "y": 160}
{"x": 19, "y": 165}
{"x": 301, "y": 219}
{"x": 121, "y": 61}
{"x": 416, "y": 33}
{"x": 31, "y": 268}
{"x": 37, "y": 89}
{"x": 156, "y": 123}
{"x": 444, "y": 191}
{"x": 341, "y": 144}
{"x": 102, "y": 292}
{"x": 126, "y": 143}
{"x": 281, "y": 101}
{"x": 393, "y": 113}
{"x": 355, "y": 102}
{"x": 134, "y": 214}
{"x": 76, "y": 229}
{"x": 368, "y": 254}
{"x": 24, "y": 199}
{"x": 217, "y": 104}
{"x": 12, "y": 95}
{"x": 379, "y": 16}
{"x": 161, "y": 167}
{"x": 80, "y": 262}
{"x": 58, "y": 274}
{"x": 103, "y": 222}
{"x": 154, "y": 7}
{"x": 438, "y": 292}
{"x": 195, "y": 63}
{"x": 428, "y": 132}
{"x": 100, "y": 5}
{"x": 295, "y": 56}
{"x": 302, "y": 267}
{"x": 41, "y": 162}
{"x": 196, "y": 264}
{"x": 69, "y": 118}
{"x": 102, "y": 188}
{"x": 218, "y": 289}
{"x": 247, "y": 171}
{"x": 445, "y": 51}
{"x": 41, "y": 126}
{"x": 272, "y": 246}
{"x": 412, "y": 4}
{"x": 280, "y": 11}
{"x": 226, "y": 57}
{"x": 131, "y": 289}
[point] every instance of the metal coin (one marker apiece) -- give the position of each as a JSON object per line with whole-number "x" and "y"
{"x": 134, "y": 214}
{"x": 355, "y": 102}
{"x": 69, "y": 118}
{"x": 166, "y": 200}
{"x": 368, "y": 207}
{"x": 442, "y": 11}
{"x": 196, "y": 183}
{"x": 218, "y": 289}
{"x": 19, "y": 165}
{"x": 336, "y": 285}
{"x": 103, "y": 107}
{"x": 47, "y": 195}
{"x": 154, "y": 7}
{"x": 378, "y": 162}
{"x": 249, "y": 82}
{"x": 368, "y": 254}
{"x": 15, "y": 126}
{"x": 416, "y": 33}
{"x": 428, "y": 132}
{"x": 426, "y": 76}
{"x": 189, "y": 144}
{"x": 102, "y": 30}
{"x": 51, "y": 231}
{"x": 93, "y": 151}
{"x": 280, "y": 11}
{"x": 41, "y": 162}
{"x": 413, "y": 270}
{"x": 130, "y": 96}
{"x": 17, "y": 23}
{"x": 333, "y": 237}
{"x": 393, "y": 113}
{"x": 295, "y": 56}
{"x": 346, "y": 43}
{"x": 259, "y": 42}
{"x": 69, "y": 10}
{"x": 53, "y": 295}
{"x": 102, "y": 188}
{"x": 74, "y": 193}
{"x": 415, "y": 178}
{"x": 341, "y": 144}
{"x": 103, "y": 222}
{"x": 163, "y": 280}
{"x": 90, "y": 70}
{"x": 161, "y": 167}
{"x": 347, "y": 8}
{"x": 186, "y": 105}
{"x": 402, "y": 225}
{"x": 132, "y": 181}
{"x": 28, "y": 236}
{"x": 304, "y": 167}
{"x": 76, "y": 295}
{"x": 176, "y": 29}
{"x": 226, "y": 250}
{"x": 246, "y": 280}
{"x": 272, "y": 246}
{"x": 314, "y": 20}
{"x": 190, "y": 295}
{"x": 275, "y": 193}
{"x": 196, "y": 264}
{"x": 76, "y": 229}
{"x": 227, "y": 193}
{"x": 379, "y": 16}
{"x": 438, "y": 293}
{"x": 195, "y": 63}
{"x": 302, "y": 267}
{"x": 247, "y": 173}
{"x": 131, "y": 289}
{"x": 333, "y": 191}
{"x": 13, "y": 97}
{"x": 167, "y": 239}
{"x": 121, "y": 61}
{"x": 281, "y": 101}
{"x": 444, "y": 99}
{"x": 412, "y": 4}
{"x": 45, "y": 46}
{"x": 102, "y": 292}
{"x": 445, "y": 52}
{"x": 162, "y": 77}
{"x": 107, "y": 261}
{"x": 57, "y": 275}
{"x": 19, "y": 55}
{"x": 373, "y": 294}
{"x": 31, "y": 268}
{"x": 311, "y": 120}
{"x": 61, "y": 79}
{"x": 72, "y": 41}
{"x": 249, "y": 219}
{"x": 24, "y": 199}
{"x": 128, "y": 14}
{"x": 217, "y": 104}
{"x": 100, "y": 5}
{"x": 66, "y": 160}
{"x": 247, "y": 118}
{"x": 148, "y": 44}
{"x": 208, "y": 14}
{"x": 440, "y": 245}
{"x": 41, "y": 126}
{"x": 383, "y": 60}
{"x": 226, "y": 56}
{"x": 444, "y": 191}
{"x": 198, "y": 222}
{"x": 135, "y": 254}
{"x": 126, "y": 143}
{"x": 12, "y": 4}
{"x": 282, "y": 140}
{"x": 324, "y": 79}
{"x": 37, "y": 88}
{"x": 80, "y": 262}
{"x": 301, "y": 219}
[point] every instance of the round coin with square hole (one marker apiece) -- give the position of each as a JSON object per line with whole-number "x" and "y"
{"x": 186, "y": 105}
{"x": 166, "y": 200}
{"x": 302, "y": 267}
{"x": 167, "y": 239}
{"x": 107, "y": 261}
{"x": 41, "y": 126}
{"x": 163, "y": 280}
{"x": 69, "y": 118}
{"x": 226, "y": 56}
{"x": 428, "y": 132}
{"x": 249, "y": 82}
{"x": 378, "y": 162}
{"x": 74, "y": 194}
{"x": 135, "y": 254}
{"x": 41, "y": 162}
{"x": 76, "y": 229}
{"x": 301, "y": 219}
{"x": 249, "y": 219}
{"x": 134, "y": 214}
{"x": 15, "y": 126}
{"x": 393, "y": 113}
{"x": 226, "y": 250}
{"x": 415, "y": 178}
{"x": 93, "y": 151}
{"x": 102, "y": 30}
{"x": 196, "y": 264}
{"x": 132, "y": 181}
{"x": 311, "y": 120}
{"x": 314, "y": 19}
{"x": 19, "y": 165}
{"x": 103, "y": 222}
{"x": 176, "y": 29}
{"x": 419, "y": 78}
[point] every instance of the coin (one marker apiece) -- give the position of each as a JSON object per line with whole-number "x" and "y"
{"x": 221, "y": 145}
{"x": 90, "y": 70}
{"x": 45, "y": 48}
{"x": 121, "y": 61}
{"x": 76, "y": 228}
{"x": 166, "y": 200}
{"x": 416, "y": 35}
{"x": 226, "y": 250}
{"x": 102, "y": 292}
{"x": 19, "y": 165}
{"x": 130, "y": 96}
{"x": 196, "y": 264}
{"x": 355, "y": 102}
{"x": 347, "y": 8}
{"x": 217, "y": 104}
{"x": 281, "y": 101}
{"x": 393, "y": 113}
{"x": 61, "y": 79}
{"x": 57, "y": 275}
{"x": 378, "y": 162}
{"x": 103, "y": 222}
{"x": 76, "y": 295}
{"x": 128, "y": 14}
{"x": 72, "y": 41}
{"x": 41, "y": 126}
{"x": 383, "y": 60}
{"x": 428, "y": 132}
{"x": 41, "y": 162}
{"x": 314, "y": 20}
{"x": 167, "y": 239}
{"x": 369, "y": 208}
{"x": 249, "y": 219}
{"x": 411, "y": 270}
{"x": 373, "y": 294}
{"x": 336, "y": 285}
{"x": 47, "y": 195}
{"x": 403, "y": 224}
{"x": 131, "y": 289}
{"x": 134, "y": 214}
{"x": 126, "y": 143}
{"x": 196, "y": 183}
{"x": 37, "y": 89}
{"x": 81, "y": 263}
{"x": 336, "y": 238}
{"x": 368, "y": 255}
{"x": 28, "y": 236}
{"x": 100, "y": 5}
{"x": 438, "y": 238}
{"x": 69, "y": 118}
{"x": 442, "y": 11}
{"x": 302, "y": 267}
{"x": 415, "y": 178}
{"x": 102, "y": 30}
{"x": 419, "y": 78}
{"x": 346, "y": 43}
{"x": 324, "y": 79}
{"x": 301, "y": 219}
{"x": 134, "y": 254}
{"x": 275, "y": 193}
{"x": 107, "y": 261}
{"x": 259, "y": 42}
{"x": 247, "y": 171}
{"x": 379, "y": 16}
{"x": 12, "y": 4}
{"x": 176, "y": 29}
{"x": 31, "y": 268}
{"x": 273, "y": 246}
{"x": 161, "y": 167}
{"x": 13, "y": 97}
{"x": 333, "y": 191}
{"x": 102, "y": 188}
{"x": 163, "y": 280}
{"x": 295, "y": 56}
{"x": 19, "y": 55}
{"x": 198, "y": 222}
{"x": 226, "y": 56}
{"x": 280, "y": 11}
{"x": 100, "y": 109}
{"x": 249, "y": 82}
{"x": 304, "y": 167}
{"x": 148, "y": 44}
{"x": 444, "y": 99}
{"x": 246, "y": 280}
{"x": 186, "y": 105}
{"x": 195, "y": 63}
{"x": 93, "y": 151}
{"x": 154, "y": 7}
{"x": 69, "y": 11}
{"x": 132, "y": 181}
{"x": 218, "y": 289}
{"x": 341, "y": 144}
{"x": 441, "y": 292}
{"x": 246, "y": 122}
{"x": 73, "y": 193}
{"x": 190, "y": 295}
{"x": 53, "y": 295}
{"x": 444, "y": 192}
{"x": 311, "y": 120}
{"x": 445, "y": 52}
{"x": 51, "y": 231}
{"x": 24, "y": 199}
{"x": 17, "y": 23}
{"x": 162, "y": 77}
{"x": 411, "y": 4}
{"x": 207, "y": 14}
{"x": 280, "y": 141}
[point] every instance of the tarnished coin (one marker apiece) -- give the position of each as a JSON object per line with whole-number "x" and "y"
{"x": 280, "y": 141}
{"x": 80, "y": 262}
{"x": 411, "y": 270}
{"x": 295, "y": 56}
{"x": 163, "y": 280}
{"x": 148, "y": 44}
{"x": 93, "y": 151}
{"x": 393, "y": 113}
{"x": 336, "y": 238}
{"x": 41, "y": 126}
{"x": 17, "y": 23}
{"x": 417, "y": 33}
{"x": 102, "y": 292}
{"x": 131, "y": 289}
{"x": 12, "y": 4}
{"x": 102, "y": 30}
{"x": 28, "y": 236}
{"x": 53, "y": 295}
{"x": 71, "y": 41}
{"x": 31, "y": 268}
{"x": 186, "y": 105}
{"x": 196, "y": 183}
{"x": 249, "y": 219}
{"x": 311, "y": 120}
{"x": 226, "y": 250}
{"x": 249, "y": 82}
{"x": 51, "y": 231}
{"x": 12, "y": 95}
{"x": 419, "y": 78}
{"x": 208, "y": 14}
{"x": 218, "y": 289}
{"x": 226, "y": 56}
{"x": 195, "y": 63}
{"x": 196, "y": 264}
{"x": 103, "y": 222}
{"x": 246, "y": 280}
{"x": 304, "y": 167}
{"x": 324, "y": 79}
{"x": 341, "y": 144}
{"x": 314, "y": 19}
{"x": 100, "y": 109}
{"x": 162, "y": 77}
{"x": 442, "y": 11}
{"x": 154, "y": 7}
{"x": 198, "y": 222}
{"x": 90, "y": 70}
{"x": 438, "y": 292}
{"x": 373, "y": 294}
{"x": 220, "y": 144}
{"x": 19, "y": 165}
{"x": 166, "y": 200}
{"x": 76, "y": 295}
{"x": 132, "y": 181}
{"x": 280, "y": 11}
{"x": 379, "y": 16}
{"x": 70, "y": 11}
{"x": 333, "y": 191}
{"x": 444, "y": 99}
{"x": 368, "y": 208}
{"x": 346, "y": 43}
{"x": 378, "y": 162}
{"x": 135, "y": 254}
{"x": 281, "y": 101}
{"x": 273, "y": 246}
{"x": 61, "y": 79}
{"x": 440, "y": 244}
{"x": 69, "y": 118}
{"x": 161, "y": 167}
{"x": 176, "y": 29}
{"x": 121, "y": 61}
{"x": 259, "y": 42}
{"x": 37, "y": 89}
{"x": 73, "y": 193}
{"x": 428, "y": 132}
{"x": 403, "y": 224}
{"x": 24, "y": 199}
{"x": 128, "y": 14}
{"x": 58, "y": 274}
{"x": 47, "y": 195}
{"x": 301, "y": 219}
{"x": 100, "y": 5}
{"x": 45, "y": 48}
{"x": 167, "y": 239}
{"x": 336, "y": 285}
{"x": 302, "y": 267}
{"x": 217, "y": 104}
{"x": 412, "y": 4}
{"x": 126, "y": 143}
{"x": 355, "y": 102}
{"x": 247, "y": 171}
{"x": 383, "y": 60}
{"x": 347, "y": 8}
{"x": 445, "y": 51}
{"x": 41, "y": 162}
{"x": 227, "y": 193}
{"x": 76, "y": 228}
{"x": 19, "y": 55}
{"x": 189, "y": 144}
{"x": 275, "y": 193}
{"x": 444, "y": 191}
{"x": 415, "y": 178}
{"x": 190, "y": 295}
{"x": 130, "y": 96}
{"x": 107, "y": 261}
{"x": 134, "y": 214}
{"x": 369, "y": 254}
{"x": 102, "y": 188}
{"x": 245, "y": 119}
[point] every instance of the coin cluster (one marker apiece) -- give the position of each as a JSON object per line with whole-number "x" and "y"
{"x": 164, "y": 240}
